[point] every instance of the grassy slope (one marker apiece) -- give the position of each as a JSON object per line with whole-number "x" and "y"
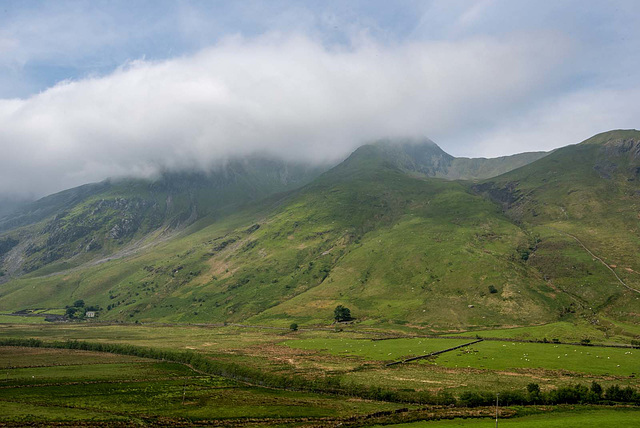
{"x": 394, "y": 247}
{"x": 480, "y": 168}
{"x": 94, "y": 221}
{"x": 589, "y": 191}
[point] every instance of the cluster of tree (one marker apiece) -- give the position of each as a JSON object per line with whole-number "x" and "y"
{"x": 574, "y": 394}
{"x": 341, "y": 313}
{"x": 78, "y": 310}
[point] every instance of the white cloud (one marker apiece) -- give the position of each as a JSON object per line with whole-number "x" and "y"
{"x": 286, "y": 95}
{"x": 559, "y": 121}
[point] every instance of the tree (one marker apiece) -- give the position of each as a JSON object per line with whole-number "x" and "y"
{"x": 533, "y": 389}
{"x": 78, "y": 303}
{"x": 341, "y": 313}
{"x": 534, "y": 392}
{"x": 293, "y": 327}
{"x": 596, "y": 389}
{"x": 75, "y": 313}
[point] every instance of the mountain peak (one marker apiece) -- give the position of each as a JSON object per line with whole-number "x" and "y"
{"x": 613, "y": 137}
{"x": 424, "y": 157}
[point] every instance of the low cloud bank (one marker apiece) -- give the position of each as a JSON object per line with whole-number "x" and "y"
{"x": 283, "y": 95}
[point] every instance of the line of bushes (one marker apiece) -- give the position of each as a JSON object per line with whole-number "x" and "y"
{"x": 572, "y": 394}
{"x": 575, "y": 394}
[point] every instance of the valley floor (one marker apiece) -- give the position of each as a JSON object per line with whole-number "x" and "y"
{"x": 236, "y": 376}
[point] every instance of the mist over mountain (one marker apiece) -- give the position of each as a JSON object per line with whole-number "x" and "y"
{"x": 392, "y": 231}
{"x": 319, "y": 213}
{"x": 286, "y": 96}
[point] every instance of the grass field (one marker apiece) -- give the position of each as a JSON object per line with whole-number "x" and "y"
{"x": 15, "y": 319}
{"x": 603, "y": 418}
{"x": 171, "y": 337}
{"x": 143, "y": 391}
{"x": 381, "y": 350}
{"x": 435, "y": 379}
{"x": 512, "y": 355}
{"x": 607, "y": 332}
{"x": 16, "y": 357}
{"x": 108, "y": 388}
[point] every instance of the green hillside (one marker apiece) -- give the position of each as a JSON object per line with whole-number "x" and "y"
{"x": 113, "y": 218}
{"x": 424, "y": 157}
{"x": 582, "y": 198}
{"x": 380, "y": 235}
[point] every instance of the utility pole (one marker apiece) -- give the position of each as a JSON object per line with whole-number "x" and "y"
{"x": 497, "y": 395}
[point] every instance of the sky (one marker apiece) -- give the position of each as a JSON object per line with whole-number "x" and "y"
{"x": 97, "y": 89}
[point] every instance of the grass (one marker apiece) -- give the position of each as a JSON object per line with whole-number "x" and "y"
{"x": 28, "y": 414}
{"x": 514, "y": 355}
{"x": 398, "y": 250}
{"x": 148, "y": 391}
{"x": 564, "y": 331}
{"x": 94, "y": 372}
{"x": 381, "y": 350}
{"x": 201, "y": 338}
{"x": 14, "y": 357}
{"x": 112, "y": 386}
{"x": 603, "y": 418}
{"x": 436, "y": 379}
{"x": 16, "y": 319}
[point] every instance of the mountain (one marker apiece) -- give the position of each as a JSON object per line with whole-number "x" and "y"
{"x": 426, "y": 158}
{"x": 114, "y": 218}
{"x": 385, "y": 234}
{"x": 95, "y": 221}
{"x": 583, "y": 203}
{"x": 10, "y": 204}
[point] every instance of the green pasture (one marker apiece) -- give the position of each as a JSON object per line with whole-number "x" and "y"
{"x": 200, "y": 338}
{"x": 16, "y": 319}
{"x": 32, "y": 414}
{"x": 93, "y": 372}
{"x": 601, "y": 418}
{"x": 145, "y": 391}
{"x": 608, "y": 332}
{"x": 380, "y": 350}
{"x": 563, "y": 330}
{"x": 434, "y": 379}
{"x": 14, "y": 357}
{"x": 515, "y": 355}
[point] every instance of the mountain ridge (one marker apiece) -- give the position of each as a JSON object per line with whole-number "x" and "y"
{"x": 391, "y": 243}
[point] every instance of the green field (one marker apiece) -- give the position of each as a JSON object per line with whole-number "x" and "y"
{"x": 146, "y": 391}
{"x": 172, "y": 337}
{"x": 35, "y": 357}
{"x": 36, "y": 383}
{"x": 15, "y": 319}
{"x": 603, "y": 418}
{"x": 515, "y": 355}
{"x": 381, "y": 350}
